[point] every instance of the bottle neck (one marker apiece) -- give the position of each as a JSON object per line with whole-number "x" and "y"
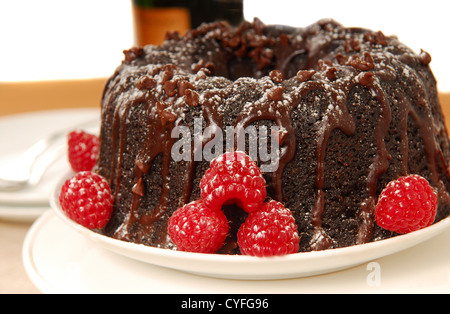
{"x": 207, "y": 11}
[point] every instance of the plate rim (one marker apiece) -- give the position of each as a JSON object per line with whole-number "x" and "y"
{"x": 30, "y": 267}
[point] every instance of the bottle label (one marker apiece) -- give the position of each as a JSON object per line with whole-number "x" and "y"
{"x": 152, "y": 24}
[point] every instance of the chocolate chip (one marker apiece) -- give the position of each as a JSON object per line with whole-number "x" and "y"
{"x": 352, "y": 45}
{"x": 192, "y": 98}
{"x": 167, "y": 75}
{"x": 275, "y": 93}
{"x": 145, "y": 82}
{"x": 276, "y": 76}
{"x": 425, "y": 57}
{"x": 341, "y": 58}
{"x": 305, "y": 75}
{"x": 182, "y": 86}
{"x": 234, "y": 42}
{"x": 365, "y": 78}
{"x": 170, "y": 87}
{"x": 132, "y": 54}
{"x": 365, "y": 64}
{"x": 380, "y": 39}
{"x": 165, "y": 114}
{"x": 173, "y": 35}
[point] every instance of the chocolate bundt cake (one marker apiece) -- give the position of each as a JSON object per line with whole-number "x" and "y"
{"x": 352, "y": 110}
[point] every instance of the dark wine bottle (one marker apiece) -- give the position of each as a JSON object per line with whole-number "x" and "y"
{"x": 154, "y": 18}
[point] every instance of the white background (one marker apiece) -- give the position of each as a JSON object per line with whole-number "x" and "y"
{"x": 60, "y": 39}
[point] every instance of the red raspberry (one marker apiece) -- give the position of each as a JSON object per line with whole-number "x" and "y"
{"x": 86, "y": 199}
{"x": 233, "y": 178}
{"x": 197, "y": 228}
{"x": 270, "y": 231}
{"x": 406, "y": 204}
{"x": 83, "y": 150}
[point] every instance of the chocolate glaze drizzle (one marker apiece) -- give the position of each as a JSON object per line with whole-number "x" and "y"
{"x": 205, "y": 74}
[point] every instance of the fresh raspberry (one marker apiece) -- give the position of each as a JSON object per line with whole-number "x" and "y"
{"x": 233, "y": 178}
{"x": 83, "y": 150}
{"x": 406, "y": 204}
{"x": 197, "y": 228}
{"x": 270, "y": 231}
{"x": 86, "y": 199}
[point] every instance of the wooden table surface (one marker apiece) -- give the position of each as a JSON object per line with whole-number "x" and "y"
{"x": 16, "y": 98}
{"x": 35, "y": 96}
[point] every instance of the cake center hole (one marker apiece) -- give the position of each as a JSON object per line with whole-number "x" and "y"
{"x": 237, "y": 67}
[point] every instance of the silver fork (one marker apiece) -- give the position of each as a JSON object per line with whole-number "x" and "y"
{"x": 35, "y": 161}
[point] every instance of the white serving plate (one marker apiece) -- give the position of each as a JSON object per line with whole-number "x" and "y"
{"x": 58, "y": 259}
{"x": 254, "y": 268}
